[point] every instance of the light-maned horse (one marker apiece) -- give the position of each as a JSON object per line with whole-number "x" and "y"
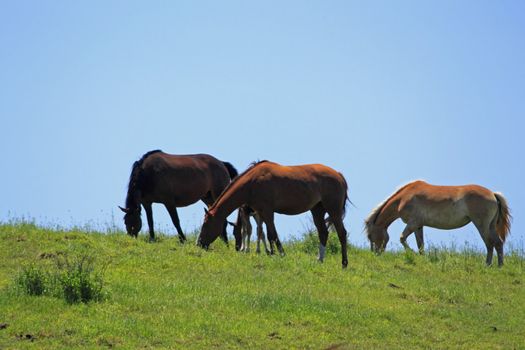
{"x": 270, "y": 188}
{"x": 175, "y": 181}
{"x": 420, "y": 204}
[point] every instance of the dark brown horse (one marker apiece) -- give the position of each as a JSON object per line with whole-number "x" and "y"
{"x": 270, "y": 188}
{"x": 175, "y": 181}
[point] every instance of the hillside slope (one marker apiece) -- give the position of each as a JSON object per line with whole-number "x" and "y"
{"x": 168, "y": 295}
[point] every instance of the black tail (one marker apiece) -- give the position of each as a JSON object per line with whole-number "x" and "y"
{"x": 328, "y": 221}
{"x": 231, "y": 170}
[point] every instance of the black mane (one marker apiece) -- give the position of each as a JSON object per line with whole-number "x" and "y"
{"x": 231, "y": 170}
{"x": 135, "y": 180}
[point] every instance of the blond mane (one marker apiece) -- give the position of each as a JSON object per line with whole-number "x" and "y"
{"x": 372, "y": 218}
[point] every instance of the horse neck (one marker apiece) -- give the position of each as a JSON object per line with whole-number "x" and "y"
{"x": 133, "y": 199}
{"x": 134, "y": 195}
{"x": 234, "y": 198}
{"x": 389, "y": 213}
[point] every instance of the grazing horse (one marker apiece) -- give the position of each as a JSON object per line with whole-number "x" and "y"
{"x": 420, "y": 204}
{"x": 270, "y": 188}
{"x": 244, "y": 225}
{"x": 175, "y": 181}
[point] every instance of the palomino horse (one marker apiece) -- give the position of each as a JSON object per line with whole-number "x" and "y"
{"x": 270, "y": 188}
{"x": 245, "y": 226}
{"x": 419, "y": 204}
{"x": 175, "y": 181}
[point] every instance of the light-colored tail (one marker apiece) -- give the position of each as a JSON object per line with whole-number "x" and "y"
{"x": 503, "y": 218}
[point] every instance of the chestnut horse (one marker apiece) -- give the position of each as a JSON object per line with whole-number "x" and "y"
{"x": 270, "y": 188}
{"x": 175, "y": 181}
{"x": 420, "y": 204}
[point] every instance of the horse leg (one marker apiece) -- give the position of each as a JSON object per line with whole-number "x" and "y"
{"x": 490, "y": 249}
{"x": 490, "y": 253}
{"x": 335, "y": 213}
{"x": 224, "y": 233}
{"x": 497, "y": 242}
{"x": 484, "y": 232}
{"x": 238, "y": 230}
{"x": 403, "y": 239}
{"x": 270, "y": 240}
{"x": 260, "y": 234}
{"x": 249, "y": 234}
{"x": 149, "y": 215}
{"x": 318, "y": 215}
{"x": 341, "y": 233}
{"x": 243, "y": 235}
{"x": 499, "y": 250}
{"x": 259, "y": 229}
{"x": 420, "y": 241}
{"x": 246, "y": 233}
{"x": 172, "y": 210}
{"x": 272, "y": 233}
{"x": 242, "y": 221}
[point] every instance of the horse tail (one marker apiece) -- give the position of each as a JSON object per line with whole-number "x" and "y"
{"x": 347, "y": 200}
{"x": 503, "y": 218}
{"x": 231, "y": 170}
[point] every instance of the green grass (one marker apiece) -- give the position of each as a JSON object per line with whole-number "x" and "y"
{"x": 168, "y": 295}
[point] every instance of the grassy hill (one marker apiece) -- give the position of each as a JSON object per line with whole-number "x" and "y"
{"x": 168, "y": 295}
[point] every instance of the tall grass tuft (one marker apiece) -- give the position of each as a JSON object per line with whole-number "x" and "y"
{"x": 410, "y": 257}
{"x": 74, "y": 279}
{"x": 309, "y": 243}
{"x": 32, "y": 280}
{"x": 78, "y": 279}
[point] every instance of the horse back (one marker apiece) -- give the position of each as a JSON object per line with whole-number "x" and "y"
{"x": 295, "y": 189}
{"x": 183, "y": 178}
{"x": 308, "y": 175}
{"x": 445, "y": 206}
{"x": 447, "y": 193}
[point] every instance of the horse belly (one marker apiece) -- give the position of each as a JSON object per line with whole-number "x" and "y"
{"x": 297, "y": 204}
{"x": 292, "y": 210}
{"x": 446, "y": 217}
{"x": 181, "y": 194}
{"x": 447, "y": 224}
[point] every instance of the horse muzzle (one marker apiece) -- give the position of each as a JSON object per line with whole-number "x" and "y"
{"x": 202, "y": 245}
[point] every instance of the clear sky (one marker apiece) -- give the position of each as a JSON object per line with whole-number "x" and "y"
{"x": 384, "y": 91}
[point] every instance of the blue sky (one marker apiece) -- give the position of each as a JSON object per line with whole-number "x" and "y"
{"x": 383, "y": 91}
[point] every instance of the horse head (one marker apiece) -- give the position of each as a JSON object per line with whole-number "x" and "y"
{"x": 211, "y": 229}
{"x": 132, "y": 220}
{"x": 378, "y": 237}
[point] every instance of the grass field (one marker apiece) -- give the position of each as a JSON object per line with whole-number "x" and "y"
{"x": 168, "y": 295}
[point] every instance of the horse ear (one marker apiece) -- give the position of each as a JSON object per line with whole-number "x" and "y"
{"x": 125, "y": 210}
